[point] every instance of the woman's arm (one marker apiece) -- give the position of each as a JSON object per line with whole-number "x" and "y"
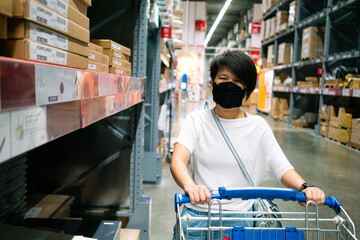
{"x": 292, "y": 179}
{"x": 180, "y": 158}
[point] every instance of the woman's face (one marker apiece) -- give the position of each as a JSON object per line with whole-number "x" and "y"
{"x": 225, "y": 74}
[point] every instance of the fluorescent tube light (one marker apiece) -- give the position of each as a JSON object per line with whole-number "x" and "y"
{"x": 217, "y": 21}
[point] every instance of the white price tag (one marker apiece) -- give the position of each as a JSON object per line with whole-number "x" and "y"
{"x": 302, "y": 90}
{"x": 356, "y": 93}
{"x": 346, "y": 92}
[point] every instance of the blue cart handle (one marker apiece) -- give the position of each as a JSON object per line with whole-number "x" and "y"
{"x": 286, "y": 194}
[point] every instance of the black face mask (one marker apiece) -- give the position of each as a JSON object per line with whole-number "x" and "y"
{"x": 228, "y": 94}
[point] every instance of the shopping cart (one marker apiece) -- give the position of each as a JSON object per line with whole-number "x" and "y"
{"x": 308, "y": 224}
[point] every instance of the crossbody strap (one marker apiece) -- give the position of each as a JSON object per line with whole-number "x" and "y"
{"x": 227, "y": 140}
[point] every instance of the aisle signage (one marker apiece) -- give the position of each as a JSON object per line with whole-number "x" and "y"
{"x": 255, "y": 28}
{"x": 166, "y": 32}
{"x": 200, "y": 25}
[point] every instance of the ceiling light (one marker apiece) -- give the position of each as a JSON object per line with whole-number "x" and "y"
{"x": 217, "y": 21}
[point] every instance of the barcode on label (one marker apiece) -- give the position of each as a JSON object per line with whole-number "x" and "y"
{"x": 119, "y": 71}
{"x": 117, "y": 55}
{"x": 61, "y": 39}
{"x": 62, "y": 5}
{"x": 91, "y": 66}
{"x": 115, "y": 46}
{"x": 43, "y": 2}
{"x": 41, "y": 20}
{"x": 117, "y": 63}
{"x": 61, "y": 20}
{"x": 92, "y": 56}
{"x": 42, "y": 40}
{"x": 41, "y": 57}
{"x": 60, "y": 54}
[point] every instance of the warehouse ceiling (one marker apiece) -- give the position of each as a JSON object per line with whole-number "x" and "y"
{"x": 234, "y": 13}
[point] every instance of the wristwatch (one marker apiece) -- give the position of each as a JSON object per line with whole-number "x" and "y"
{"x": 305, "y": 185}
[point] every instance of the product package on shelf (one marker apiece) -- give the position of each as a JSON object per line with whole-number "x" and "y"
{"x": 20, "y": 29}
{"x": 6, "y": 8}
{"x": 355, "y": 133}
{"x": 96, "y": 48}
{"x": 312, "y": 42}
{"x": 292, "y": 13}
{"x": 98, "y": 62}
{"x": 312, "y": 81}
{"x": 79, "y": 5}
{"x": 270, "y": 56}
{"x": 275, "y": 107}
{"x": 272, "y": 26}
{"x": 324, "y": 128}
{"x": 268, "y": 28}
{"x": 3, "y": 27}
{"x": 29, "y": 50}
{"x": 120, "y": 70}
{"x": 281, "y": 20}
{"x": 285, "y": 54}
{"x": 36, "y": 12}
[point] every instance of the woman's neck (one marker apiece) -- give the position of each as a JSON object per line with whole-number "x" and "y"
{"x": 229, "y": 113}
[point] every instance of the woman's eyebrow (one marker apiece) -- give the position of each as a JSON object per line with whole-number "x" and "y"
{"x": 223, "y": 74}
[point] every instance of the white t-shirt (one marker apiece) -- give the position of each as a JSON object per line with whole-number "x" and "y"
{"x": 213, "y": 164}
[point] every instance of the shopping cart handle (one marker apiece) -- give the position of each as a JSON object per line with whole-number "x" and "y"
{"x": 286, "y": 194}
{"x": 184, "y": 198}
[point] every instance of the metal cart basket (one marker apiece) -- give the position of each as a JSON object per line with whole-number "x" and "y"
{"x": 309, "y": 225}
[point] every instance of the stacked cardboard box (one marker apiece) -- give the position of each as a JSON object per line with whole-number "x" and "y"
{"x": 267, "y": 28}
{"x": 270, "y": 56}
{"x": 292, "y": 13}
{"x": 6, "y": 10}
{"x": 98, "y": 62}
{"x": 275, "y": 107}
{"x": 334, "y": 127}
{"x": 285, "y": 54}
{"x": 49, "y": 31}
{"x": 312, "y": 81}
{"x": 325, "y": 113}
{"x": 284, "y": 109}
{"x": 312, "y": 42}
{"x": 281, "y": 20}
{"x": 355, "y": 133}
{"x": 119, "y": 56}
{"x": 272, "y": 26}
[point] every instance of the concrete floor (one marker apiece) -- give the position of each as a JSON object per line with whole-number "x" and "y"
{"x": 330, "y": 166}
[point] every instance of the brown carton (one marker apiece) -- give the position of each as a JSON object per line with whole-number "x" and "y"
{"x": 78, "y": 5}
{"x": 284, "y": 106}
{"x": 34, "y": 51}
{"x": 3, "y": 27}
{"x": 281, "y": 18}
{"x": 63, "y": 9}
{"x": 119, "y": 63}
{"x": 87, "y": 2}
{"x": 6, "y": 8}
{"x": 98, "y": 67}
{"x": 114, "y": 53}
{"x": 334, "y": 133}
{"x": 335, "y": 118}
{"x": 355, "y": 123}
{"x": 355, "y": 133}
{"x": 292, "y": 13}
{"x": 285, "y": 54}
{"x": 324, "y": 128}
{"x": 105, "y": 43}
{"x": 32, "y": 10}
{"x": 325, "y": 111}
{"x": 98, "y": 57}
{"x": 270, "y": 56}
{"x": 272, "y": 26}
{"x": 120, "y": 71}
{"x": 20, "y": 29}
{"x": 312, "y": 42}
{"x": 96, "y": 48}
{"x": 345, "y": 135}
{"x": 129, "y": 234}
{"x": 345, "y": 120}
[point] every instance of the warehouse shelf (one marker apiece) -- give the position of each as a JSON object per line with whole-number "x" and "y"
{"x": 338, "y": 92}
{"x": 272, "y": 10}
{"x": 164, "y": 60}
{"x": 342, "y": 6}
{"x": 315, "y": 19}
{"x": 282, "y": 89}
{"x": 341, "y": 92}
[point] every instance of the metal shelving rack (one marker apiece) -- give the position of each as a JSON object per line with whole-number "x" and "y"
{"x": 96, "y": 148}
{"x": 337, "y": 48}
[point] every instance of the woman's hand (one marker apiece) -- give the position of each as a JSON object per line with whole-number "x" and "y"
{"x": 198, "y": 194}
{"x": 313, "y": 194}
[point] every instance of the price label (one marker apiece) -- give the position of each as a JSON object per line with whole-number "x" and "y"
{"x": 356, "y": 93}
{"x": 346, "y": 92}
{"x": 302, "y": 90}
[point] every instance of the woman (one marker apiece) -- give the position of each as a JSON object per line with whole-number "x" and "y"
{"x": 233, "y": 77}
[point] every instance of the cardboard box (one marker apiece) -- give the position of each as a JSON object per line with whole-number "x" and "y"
{"x": 30, "y": 50}
{"x": 345, "y": 120}
{"x": 20, "y": 29}
{"x": 87, "y": 2}
{"x": 335, "y": 118}
{"x": 268, "y": 28}
{"x": 273, "y": 26}
{"x": 355, "y": 133}
{"x": 326, "y": 111}
{"x": 98, "y": 67}
{"x": 129, "y": 234}
{"x": 312, "y": 42}
{"x": 281, "y": 18}
{"x": 334, "y": 133}
{"x": 285, "y": 54}
{"x": 355, "y": 123}
{"x": 98, "y": 57}
{"x": 115, "y": 53}
{"x": 345, "y": 135}
{"x": 3, "y": 27}
{"x": 120, "y": 71}
{"x": 292, "y": 13}
{"x": 105, "y": 43}
{"x": 6, "y": 8}
{"x": 284, "y": 106}
{"x": 36, "y": 12}
{"x": 63, "y": 9}
{"x": 270, "y": 56}
{"x": 78, "y": 5}
{"x": 96, "y": 48}
{"x": 51, "y": 206}
{"x": 312, "y": 79}
{"x": 275, "y": 107}
{"x": 119, "y": 63}
{"x": 324, "y": 128}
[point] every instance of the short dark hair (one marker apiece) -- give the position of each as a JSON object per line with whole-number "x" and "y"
{"x": 242, "y": 66}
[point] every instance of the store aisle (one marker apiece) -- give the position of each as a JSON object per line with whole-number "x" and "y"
{"x": 330, "y": 166}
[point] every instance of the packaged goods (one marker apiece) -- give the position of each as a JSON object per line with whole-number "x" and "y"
{"x": 273, "y": 26}
{"x": 312, "y": 42}
{"x": 98, "y": 67}
{"x": 120, "y": 63}
{"x": 3, "y": 27}
{"x": 30, "y": 50}
{"x": 20, "y": 29}
{"x": 32, "y": 10}
{"x": 98, "y": 57}
{"x": 270, "y": 56}
{"x": 324, "y": 128}
{"x": 292, "y": 13}
{"x": 114, "y": 53}
{"x": 6, "y": 8}
{"x": 105, "y": 43}
{"x": 281, "y": 19}
{"x": 120, "y": 71}
{"x": 78, "y": 5}
{"x": 285, "y": 54}
{"x": 96, "y": 48}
